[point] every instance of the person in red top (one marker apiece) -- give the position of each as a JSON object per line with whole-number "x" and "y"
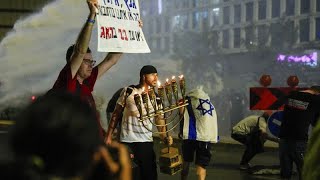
{"x": 79, "y": 74}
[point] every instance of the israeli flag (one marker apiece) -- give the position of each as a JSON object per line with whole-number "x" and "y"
{"x": 200, "y": 118}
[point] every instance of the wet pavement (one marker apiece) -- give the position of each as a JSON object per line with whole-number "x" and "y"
{"x": 224, "y": 164}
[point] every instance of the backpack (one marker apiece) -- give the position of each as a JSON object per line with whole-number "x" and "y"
{"x": 113, "y": 101}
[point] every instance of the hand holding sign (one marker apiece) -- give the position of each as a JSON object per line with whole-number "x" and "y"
{"x": 93, "y": 5}
{"x": 140, "y": 23}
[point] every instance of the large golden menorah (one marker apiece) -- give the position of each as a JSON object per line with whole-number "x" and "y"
{"x": 164, "y": 105}
{"x": 167, "y": 105}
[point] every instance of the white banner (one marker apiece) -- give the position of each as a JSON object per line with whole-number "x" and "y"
{"x": 118, "y": 27}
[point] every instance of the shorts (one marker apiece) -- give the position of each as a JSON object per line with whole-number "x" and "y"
{"x": 202, "y": 150}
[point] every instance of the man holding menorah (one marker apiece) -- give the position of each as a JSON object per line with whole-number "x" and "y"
{"x": 136, "y": 133}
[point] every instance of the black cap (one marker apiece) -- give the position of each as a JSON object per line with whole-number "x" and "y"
{"x": 147, "y": 69}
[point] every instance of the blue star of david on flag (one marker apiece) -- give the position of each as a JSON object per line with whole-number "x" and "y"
{"x": 204, "y": 103}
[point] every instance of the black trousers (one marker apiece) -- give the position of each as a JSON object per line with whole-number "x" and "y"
{"x": 145, "y": 158}
{"x": 250, "y": 150}
{"x": 291, "y": 151}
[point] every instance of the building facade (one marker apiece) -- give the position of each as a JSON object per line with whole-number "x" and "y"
{"x": 238, "y": 24}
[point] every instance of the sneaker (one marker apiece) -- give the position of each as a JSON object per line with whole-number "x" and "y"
{"x": 245, "y": 166}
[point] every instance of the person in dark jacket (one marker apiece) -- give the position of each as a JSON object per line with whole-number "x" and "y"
{"x": 301, "y": 110}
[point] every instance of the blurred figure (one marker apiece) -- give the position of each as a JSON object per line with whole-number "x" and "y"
{"x": 135, "y": 134}
{"x": 300, "y": 110}
{"x": 54, "y": 138}
{"x": 200, "y": 129}
{"x": 252, "y": 132}
{"x": 310, "y": 170}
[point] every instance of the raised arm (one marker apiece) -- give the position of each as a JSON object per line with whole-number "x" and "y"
{"x": 110, "y": 60}
{"x": 83, "y": 39}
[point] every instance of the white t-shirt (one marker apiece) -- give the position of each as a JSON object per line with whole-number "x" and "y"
{"x": 245, "y": 126}
{"x": 132, "y": 129}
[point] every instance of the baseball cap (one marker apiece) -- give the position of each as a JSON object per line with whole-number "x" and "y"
{"x": 147, "y": 69}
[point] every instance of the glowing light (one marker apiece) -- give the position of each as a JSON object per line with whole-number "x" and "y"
{"x": 33, "y": 98}
{"x": 308, "y": 59}
{"x": 159, "y": 6}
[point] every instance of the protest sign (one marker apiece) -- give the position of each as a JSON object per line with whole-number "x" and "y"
{"x": 118, "y": 27}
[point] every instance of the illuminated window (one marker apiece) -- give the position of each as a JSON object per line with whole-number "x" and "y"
{"x": 215, "y": 16}
{"x": 196, "y": 20}
{"x": 180, "y": 21}
{"x": 197, "y": 16}
{"x": 159, "y": 6}
{"x": 205, "y": 18}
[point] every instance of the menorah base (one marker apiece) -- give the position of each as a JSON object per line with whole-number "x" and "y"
{"x": 171, "y": 170}
{"x": 170, "y": 161}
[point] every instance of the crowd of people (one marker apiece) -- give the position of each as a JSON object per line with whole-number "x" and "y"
{"x": 59, "y": 135}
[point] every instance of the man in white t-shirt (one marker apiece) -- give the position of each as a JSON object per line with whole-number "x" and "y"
{"x": 252, "y": 132}
{"x": 134, "y": 133}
